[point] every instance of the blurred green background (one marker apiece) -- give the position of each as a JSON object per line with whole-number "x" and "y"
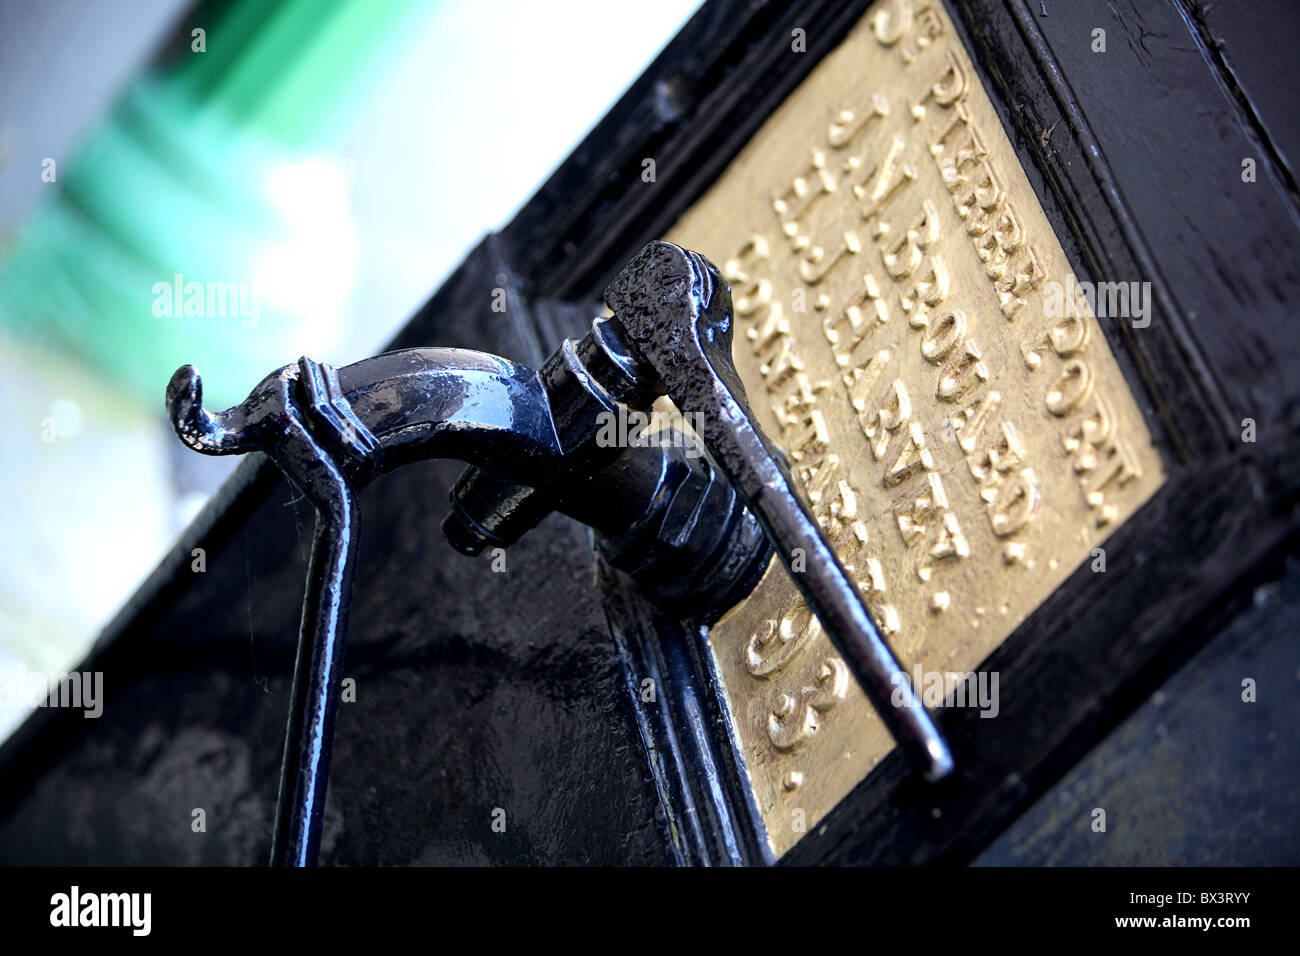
{"x": 232, "y": 184}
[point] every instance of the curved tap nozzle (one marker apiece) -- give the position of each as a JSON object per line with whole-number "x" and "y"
{"x": 381, "y": 412}
{"x": 220, "y": 433}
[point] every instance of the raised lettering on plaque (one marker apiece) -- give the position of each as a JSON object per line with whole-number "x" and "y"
{"x": 964, "y": 440}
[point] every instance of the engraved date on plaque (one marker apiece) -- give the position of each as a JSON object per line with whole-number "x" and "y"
{"x": 964, "y": 448}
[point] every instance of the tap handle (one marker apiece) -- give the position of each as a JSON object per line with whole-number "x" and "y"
{"x": 674, "y": 308}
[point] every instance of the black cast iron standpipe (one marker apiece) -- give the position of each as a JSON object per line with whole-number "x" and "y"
{"x": 661, "y": 512}
{"x": 678, "y": 523}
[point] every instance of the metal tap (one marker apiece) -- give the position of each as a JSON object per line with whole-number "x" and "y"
{"x": 695, "y": 530}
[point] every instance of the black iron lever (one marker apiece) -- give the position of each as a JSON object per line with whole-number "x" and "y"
{"x": 674, "y": 309}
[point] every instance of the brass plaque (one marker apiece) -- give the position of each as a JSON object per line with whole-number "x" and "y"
{"x": 910, "y": 331}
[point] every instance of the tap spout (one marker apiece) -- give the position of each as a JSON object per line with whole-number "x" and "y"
{"x": 383, "y": 412}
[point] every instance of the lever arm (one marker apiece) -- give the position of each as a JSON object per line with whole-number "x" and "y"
{"x": 674, "y": 308}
